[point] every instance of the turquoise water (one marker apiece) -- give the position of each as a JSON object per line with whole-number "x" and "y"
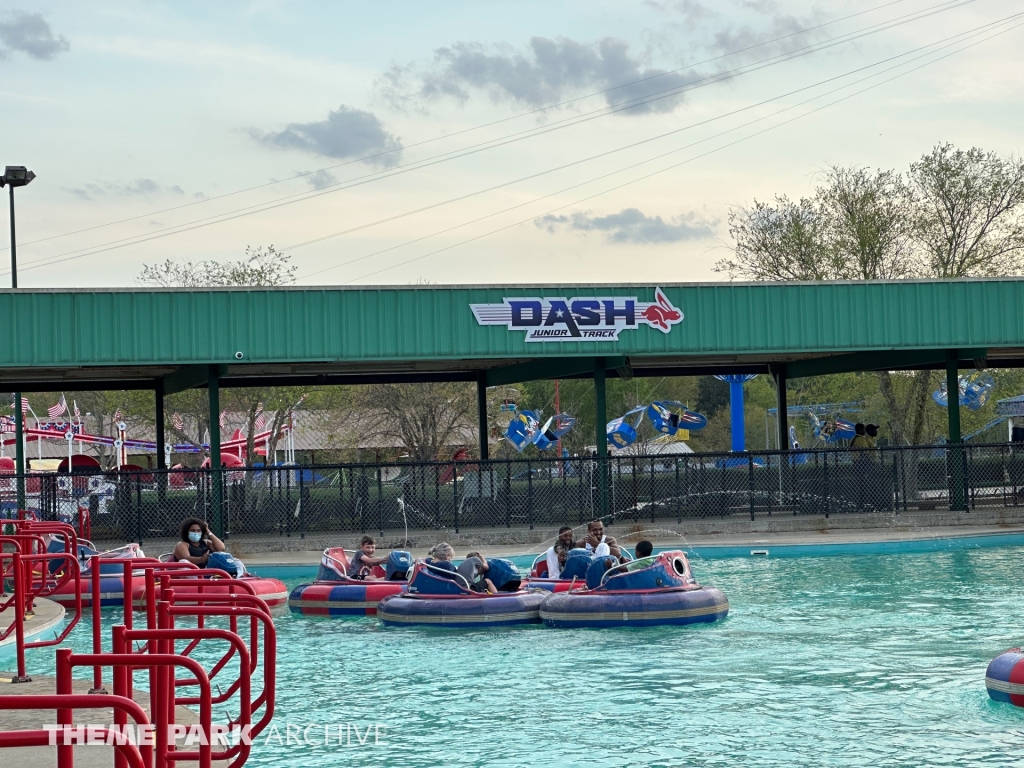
{"x": 854, "y": 660}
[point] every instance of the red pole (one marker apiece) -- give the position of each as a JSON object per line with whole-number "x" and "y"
{"x": 119, "y": 674}
{"x": 65, "y": 717}
{"x": 97, "y": 629}
{"x": 19, "y": 618}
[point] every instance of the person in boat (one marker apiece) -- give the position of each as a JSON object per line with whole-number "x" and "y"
{"x": 474, "y": 569}
{"x": 440, "y": 557}
{"x": 643, "y": 549}
{"x": 597, "y": 544}
{"x": 557, "y": 553}
{"x": 363, "y": 560}
{"x": 197, "y": 542}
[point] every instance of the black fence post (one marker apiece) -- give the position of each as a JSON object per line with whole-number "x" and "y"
{"x": 302, "y": 503}
{"x": 380, "y": 503}
{"x": 679, "y": 505}
{"x": 828, "y": 487}
{"x": 455, "y": 493}
{"x": 138, "y": 520}
{"x": 750, "y": 483}
{"x": 529, "y": 493}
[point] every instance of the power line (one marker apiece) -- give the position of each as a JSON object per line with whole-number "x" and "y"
{"x": 710, "y": 152}
{"x": 959, "y": 38}
{"x": 539, "y": 110}
{"x": 634, "y": 144}
{"x": 260, "y": 208}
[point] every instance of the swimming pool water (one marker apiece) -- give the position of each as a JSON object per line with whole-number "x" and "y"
{"x": 865, "y": 660}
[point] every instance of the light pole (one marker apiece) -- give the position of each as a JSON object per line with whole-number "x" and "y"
{"x": 17, "y": 176}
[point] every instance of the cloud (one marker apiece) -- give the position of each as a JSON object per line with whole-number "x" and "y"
{"x": 547, "y": 72}
{"x": 143, "y": 187}
{"x": 318, "y": 179}
{"x": 631, "y": 225}
{"x": 346, "y": 133}
{"x": 739, "y": 38}
{"x": 30, "y": 34}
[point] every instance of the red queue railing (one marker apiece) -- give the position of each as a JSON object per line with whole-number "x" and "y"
{"x": 168, "y": 591}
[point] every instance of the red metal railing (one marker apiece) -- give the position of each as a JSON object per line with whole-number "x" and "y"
{"x": 167, "y": 591}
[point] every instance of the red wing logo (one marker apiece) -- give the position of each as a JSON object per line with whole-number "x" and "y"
{"x": 661, "y": 315}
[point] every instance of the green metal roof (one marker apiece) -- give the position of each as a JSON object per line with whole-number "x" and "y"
{"x": 65, "y": 335}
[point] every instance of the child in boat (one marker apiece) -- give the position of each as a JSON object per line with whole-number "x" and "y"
{"x": 643, "y": 549}
{"x": 473, "y": 569}
{"x": 363, "y": 560}
{"x": 440, "y": 557}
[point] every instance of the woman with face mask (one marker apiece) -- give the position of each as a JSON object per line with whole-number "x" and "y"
{"x": 197, "y": 542}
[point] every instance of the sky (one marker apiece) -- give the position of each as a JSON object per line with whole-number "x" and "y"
{"x": 468, "y": 142}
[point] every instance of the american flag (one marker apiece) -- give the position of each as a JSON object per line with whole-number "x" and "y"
{"x": 78, "y": 414}
{"x": 56, "y": 410}
{"x": 177, "y": 422}
{"x": 117, "y": 416}
{"x": 24, "y": 405}
{"x": 223, "y": 417}
{"x": 261, "y": 421}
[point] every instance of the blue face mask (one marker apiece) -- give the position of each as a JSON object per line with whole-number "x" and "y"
{"x": 195, "y": 536}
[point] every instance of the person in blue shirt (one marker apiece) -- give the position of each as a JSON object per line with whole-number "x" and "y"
{"x": 440, "y": 557}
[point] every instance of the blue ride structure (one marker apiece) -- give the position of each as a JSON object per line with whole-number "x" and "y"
{"x": 658, "y": 590}
{"x": 737, "y": 418}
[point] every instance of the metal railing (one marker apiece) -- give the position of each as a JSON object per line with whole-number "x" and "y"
{"x": 297, "y": 501}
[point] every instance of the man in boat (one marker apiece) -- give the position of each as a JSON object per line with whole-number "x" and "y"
{"x": 597, "y": 543}
{"x": 556, "y": 554}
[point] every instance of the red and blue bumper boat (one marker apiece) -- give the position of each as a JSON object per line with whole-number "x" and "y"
{"x": 1004, "y": 677}
{"x": 111, "y": 575}
{"x": 440, "y": 598}
{"x": 660, "y": 591}
{"x": 335, "y": 593}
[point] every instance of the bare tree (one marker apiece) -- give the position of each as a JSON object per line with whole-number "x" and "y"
{"x": 969, "y": 212}
{"x": 781, "y": 241}
{"x": 260, "y": 267}
{"x": 869, "y": 219}
{"x": 423, "y": 418}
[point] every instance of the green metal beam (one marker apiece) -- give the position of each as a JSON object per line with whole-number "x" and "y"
{"x": 558, "y": 368}
{"x": 886, "y": 360}
{"x": 190, "y": 377}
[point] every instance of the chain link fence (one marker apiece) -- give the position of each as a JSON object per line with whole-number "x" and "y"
{"x": 293, "y": 501}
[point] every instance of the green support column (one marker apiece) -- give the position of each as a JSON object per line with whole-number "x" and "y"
{"x": 19, "y": 448}
{"x": 481, "y": 409}
{"x": 161, "y": 456}
{"x": 216, "y": 485}
{"x": 601, "y": 435}
{"x": 957, "y": 497}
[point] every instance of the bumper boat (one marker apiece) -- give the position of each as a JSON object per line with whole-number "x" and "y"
{"x": 660, "y": 590}
{"x": 273, "y": 591}
{"x": 573, "y": 575}
{"x": 111, "y": 575}
{"x": 437, "y": 597}
{"x": 335, "y": 593}
{"x": 1004, "y": 677}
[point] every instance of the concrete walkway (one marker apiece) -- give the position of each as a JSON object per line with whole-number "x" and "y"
{"x": 85, "y": 756}
{"x": 46, "y": 620}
